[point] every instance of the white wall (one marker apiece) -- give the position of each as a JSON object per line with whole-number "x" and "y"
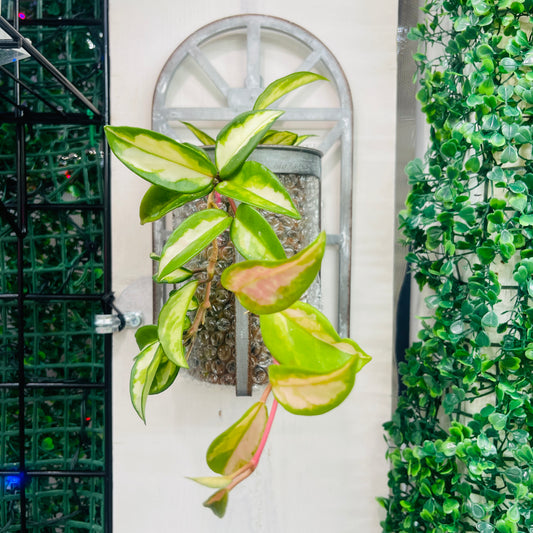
{"x": 318, "y": 474}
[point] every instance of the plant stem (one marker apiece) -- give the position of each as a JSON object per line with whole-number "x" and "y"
{"x": 233, "y": 205}
{"x": 206, "y": 304}
{"x": 271, "y": 416}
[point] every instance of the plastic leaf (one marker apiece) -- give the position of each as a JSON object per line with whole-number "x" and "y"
{"x": 142, "y": 375}
{"x": 165, "y": 375}
{"x": 238, "y": 138}
{"x": 303, "y": 392}
{"x": 284, "y": 85}
{"x": 202, "y": 136}
{"x": 213, "y": 482}
{"x": 236, "y": 446}
{"x": 256, "y": 185}
{"x": 146, "y": 335}
{"x": 271, "y": 286}
{"x": 301, "y": 336}
{"x": 157, "y": 202}
{"x": 171, "y": 322}
{"x": 160, "y": 159}
{"x": 190, "y": 237}
{"x": 254, "y": 237}
{"x": 218, "y": 502}
{"x": 284, "y": 138}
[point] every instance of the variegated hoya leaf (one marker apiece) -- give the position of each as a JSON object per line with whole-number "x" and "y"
{"x": 191, "y": 237}
{"x": 213, "y": 482}
{"x": 254, "y": 237}
{"x": 301, "y": 336}
{"x": 282, "y": 86}
{"x": 304, "y": 392}
{"x": 236, "y": 446}
{"x": 171, "y": 322}
{"x": 157, "y": 202}
{"x": 202, "y": 136}
{"x": 146, "y": 335}
{"x": 283, "y": 138}
{"x": 176, "y": 276}
{"x": 317, "y": 367}
{"x": 237, "y": 140}
{"x": 142, "y": 374}
{"x": 265, "y": 287}
{"x": 218, "y": 502}
{"x": 301, "y": 139}
{"x": 165, "y": 375}
{"x": 160, "y": 159}
{"x": 256, "y": 185}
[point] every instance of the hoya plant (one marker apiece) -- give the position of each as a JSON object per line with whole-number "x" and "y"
{"x": 461, "y": 437}
{"x": 314, "y": 368}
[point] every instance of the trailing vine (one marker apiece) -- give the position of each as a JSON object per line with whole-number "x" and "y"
{"x": 460, "y": 439}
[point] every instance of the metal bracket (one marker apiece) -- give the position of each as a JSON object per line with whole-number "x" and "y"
{"x": 104, "y": 324}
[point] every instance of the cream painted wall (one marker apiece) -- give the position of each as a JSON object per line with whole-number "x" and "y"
{"x": 319, "y": 474}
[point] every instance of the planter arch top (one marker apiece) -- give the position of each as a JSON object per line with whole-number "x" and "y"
{"x": 332, "y": 127}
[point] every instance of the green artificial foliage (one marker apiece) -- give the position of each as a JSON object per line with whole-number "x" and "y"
{"x": 460, "y": 441}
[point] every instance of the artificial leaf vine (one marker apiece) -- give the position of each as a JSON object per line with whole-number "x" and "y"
{"x": 461, "y": 437}
{"x": 316, "y": 369}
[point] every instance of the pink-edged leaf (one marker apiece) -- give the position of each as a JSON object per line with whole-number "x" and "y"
{"x": 236, "y": 446}
{"x": 265, "y": 287}
{"x": 304, "y": 392}
{"x": 301, "y": 336}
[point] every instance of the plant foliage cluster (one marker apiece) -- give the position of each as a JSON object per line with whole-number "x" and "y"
{"x": 314, "y": 369}
{"x": 461, "y": 437}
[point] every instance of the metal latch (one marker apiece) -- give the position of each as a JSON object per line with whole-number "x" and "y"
{"x": 110, "y": 323}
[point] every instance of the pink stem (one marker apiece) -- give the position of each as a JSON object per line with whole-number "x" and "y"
{"x": 257, "y": 455}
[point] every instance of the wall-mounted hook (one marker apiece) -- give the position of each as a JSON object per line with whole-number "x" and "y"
{"x": 110, "y": 323}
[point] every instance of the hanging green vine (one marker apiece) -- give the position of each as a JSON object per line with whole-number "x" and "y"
{"x": 460, "y": 439}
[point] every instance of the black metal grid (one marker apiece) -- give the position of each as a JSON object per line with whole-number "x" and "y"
{"x": 55, "y": 270}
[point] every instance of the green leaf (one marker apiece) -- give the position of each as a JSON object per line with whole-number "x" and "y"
{"x": 284, "y": 85}
{"x": 160, "y": 159}
{"x": 142, "y": 375}
{"x": 165, "y": 375}
{"x": 490, "y": 320}
{"x": 449, "y": 148}
{"x": 236, "y": 446}
{"x": 508, "y": 64}
{"x": 472, "y": 165}
{"x": 146, "y": 335}
{"x": 509, "y": 155}
{"x": 176, "y": 276}
{"x": 271, "y": 286}
{"x": 304, "y": 392}
{"x": 190, "y": 238}
{"x": 203, "y": 137}
{"x": 498, "y": 421}
{"x": 47, "y": 444}
{"x": 237, "y": 140}
{"x": 218, "y": 502}
{"x": 157, "y": 202}
{"x": 254, "y": 237}
{"x": 301, "y": 336}
{"x": 280, "y": 138}
{"x": 256, "y": 185}
{"x": 301, "y": 139}
{"x": 171, "y": 321}
{"x": 213, "y": 482}
{"x": 450, "y": 505}
{"x": 526, "y": 220}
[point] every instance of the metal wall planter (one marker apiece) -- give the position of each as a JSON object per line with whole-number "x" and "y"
{"x": 333, "y": 125}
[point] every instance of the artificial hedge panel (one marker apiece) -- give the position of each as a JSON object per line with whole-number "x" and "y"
{"x": 461, "y": 437}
